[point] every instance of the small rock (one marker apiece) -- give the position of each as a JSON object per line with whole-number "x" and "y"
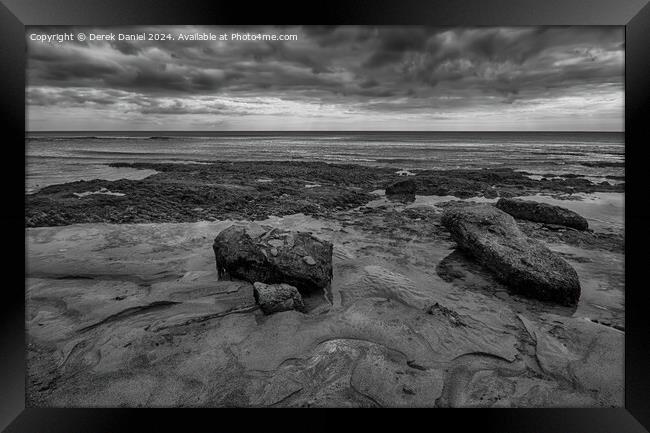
{"x": 451, "y": 315}
{"x": 309, "y": 260}
{"x": 274, "y": 298}
{"x": 408, "y": 390}
{"x": 274, "y": 252}
{"x": 406, "y": 186}
{"x": 491, "y": 193}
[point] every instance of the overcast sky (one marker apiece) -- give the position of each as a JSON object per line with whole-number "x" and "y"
{"x": 345, "y": 78}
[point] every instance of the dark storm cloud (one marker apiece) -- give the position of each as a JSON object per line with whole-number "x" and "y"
{"x": 507, "y": 60}
{"x": 488, "y": 58}
{"x": 373, "y": 68}
{"x": 126, "y": 47}
{"x": 393, "y": 43}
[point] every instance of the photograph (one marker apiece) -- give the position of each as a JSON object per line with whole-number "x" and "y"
{"x": 325, "y": 216}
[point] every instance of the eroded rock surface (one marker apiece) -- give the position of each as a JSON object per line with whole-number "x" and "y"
{"x": 255, "y": 253}
{"x": 135, "y": 315}
{"x": 525, "y": 265}
{"x": 542, "y": 212}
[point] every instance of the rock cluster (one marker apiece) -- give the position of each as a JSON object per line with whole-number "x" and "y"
{"x": 526, "y": 266}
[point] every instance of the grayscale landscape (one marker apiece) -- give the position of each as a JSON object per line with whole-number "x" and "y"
{"x": 362, "y": 217}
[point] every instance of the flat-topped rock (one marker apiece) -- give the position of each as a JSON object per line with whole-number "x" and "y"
{"x": 257, "y": 253}
{"x": 542, "y": 212}
{"x": 525, "y": 265}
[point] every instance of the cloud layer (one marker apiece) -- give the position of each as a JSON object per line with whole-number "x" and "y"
{"x": 345, "y": 78}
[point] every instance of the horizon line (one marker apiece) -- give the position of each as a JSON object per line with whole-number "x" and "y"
{"x": 307, "y": 130}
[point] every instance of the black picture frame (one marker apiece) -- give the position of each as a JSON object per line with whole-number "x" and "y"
{"x": 633, "y": 14}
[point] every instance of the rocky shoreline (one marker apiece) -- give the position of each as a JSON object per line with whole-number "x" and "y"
{"x": 256, "y": 190}
{"x": 332, "y": 297}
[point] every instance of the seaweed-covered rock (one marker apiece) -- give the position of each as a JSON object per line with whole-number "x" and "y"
{"x": 274, "y": 298}
{"x": 401, "y": 187}
{"x": 256, "y": 253}
{"x": 525, "y": 265}
{"x": 542, "y": 212}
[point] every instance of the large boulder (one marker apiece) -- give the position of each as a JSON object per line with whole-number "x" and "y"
{"x": 274, "y": 298}
{"x": 525, "y": 265}
{"x": 401, "y": 187}
{"x": 256, "y": 253}
{"x": 542, "y": 213}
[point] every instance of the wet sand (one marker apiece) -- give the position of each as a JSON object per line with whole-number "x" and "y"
{"x": 134, "y": 314}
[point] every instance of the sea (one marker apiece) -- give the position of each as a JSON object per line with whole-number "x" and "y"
{"x": 60, "y": 157}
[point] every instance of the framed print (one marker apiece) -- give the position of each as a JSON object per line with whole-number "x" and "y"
{"x": 415, "y": 205}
